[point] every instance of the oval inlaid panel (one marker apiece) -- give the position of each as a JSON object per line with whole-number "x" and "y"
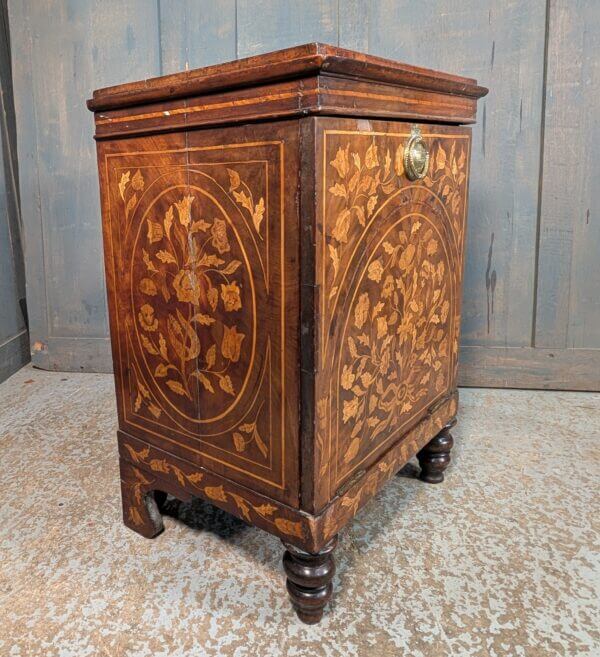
{"x": 193, "y": 298}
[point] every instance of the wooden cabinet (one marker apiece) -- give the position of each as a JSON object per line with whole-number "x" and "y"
{"x": 284, "y": 287}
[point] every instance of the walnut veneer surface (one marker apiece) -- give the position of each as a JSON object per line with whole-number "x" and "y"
{"x": 284, "y": 295}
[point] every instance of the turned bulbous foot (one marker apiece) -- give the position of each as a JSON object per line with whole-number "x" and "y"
{"x": 309, "y": 580}
{"x": 434, "y": 458}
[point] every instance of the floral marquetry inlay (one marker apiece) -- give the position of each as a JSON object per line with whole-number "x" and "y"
{"x": 191, "y": 291}
{"x": 197, "y": 256}
{"x": 390, "y": 286}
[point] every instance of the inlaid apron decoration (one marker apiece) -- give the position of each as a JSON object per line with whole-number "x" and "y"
{"x": 284, "y": 245}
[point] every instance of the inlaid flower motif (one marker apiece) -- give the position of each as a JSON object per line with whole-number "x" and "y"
{"x": 362, "y": 310}
{"x": 147, "y": 319}
{"x": 375, "y": 271}
{"x": 147, "y": 286}
{"x": 388, "y": 287}
{"x": 184, "y": 210}
{"x": 155, "y": 231}
{"x": 350, "y": 409}
{"x": 187, "y": 286}
{"x": 231, "y": 297}
{"x": 347, "y": 377}
{"x": 231, "y": 343}
{"x": 219, "y": 236}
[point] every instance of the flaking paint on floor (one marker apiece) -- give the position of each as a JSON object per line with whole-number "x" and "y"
{"x": 501, "y": 559}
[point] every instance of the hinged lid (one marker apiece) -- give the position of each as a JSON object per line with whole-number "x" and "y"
{"x": 309, "y": 79}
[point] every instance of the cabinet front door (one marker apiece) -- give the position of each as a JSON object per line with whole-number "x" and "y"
{"x": 198, "y": 228}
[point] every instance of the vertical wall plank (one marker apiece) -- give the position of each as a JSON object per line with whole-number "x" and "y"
{"x": 14, "y": 340}
{"x": 502, "y": 45}
{"x": 568, "y": 301}
{"x": 63, "y": 50}
{"x": 265, "y": 25}
{"x": 195, "y": 33}
{"x": 354, "y": 25}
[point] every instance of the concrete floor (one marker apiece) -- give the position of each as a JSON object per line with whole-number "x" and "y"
{"x": 501, "y": 559}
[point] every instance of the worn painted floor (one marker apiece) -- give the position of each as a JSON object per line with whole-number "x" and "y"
{"x": 501, "y": 559}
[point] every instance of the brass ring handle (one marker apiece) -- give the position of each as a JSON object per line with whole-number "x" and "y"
{"x": 416, "y": 156}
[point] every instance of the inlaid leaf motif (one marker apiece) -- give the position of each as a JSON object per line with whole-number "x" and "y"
{"x": 168, "y": 221}
{"x": 258, "y": 214}
{"x": 195, "y": 478}
{"x": 371, "y": 158}
{"x": 204, "y": 380}
{"x": 338, "y": 190}
{"x": 341, "y": 162}
{"x": 242, "y": 505}
{"x": 166, "y": 257}
{"x": 137, "y": 182}
{"x": 289, "y": 527}
{"x": 199, "y": 226}
{"x": 211, "y": 356}
{"x": 259, "y": 442}
{"x": 134, "y": 516}
{"x": 399, "y": 161}
{"x": 440, "y": 160}
{"x": 150, "y": 266}
{"x": 130, "y": 205}
{"x": 177, "y": 388}
{"x": 265, "y": 510}
{"x": 342, "y": 224}
{"x": 234, "y": 179}
{"x": 371, "y": 203}
{"x": 216, "y": 493}
{"x": 148, "y": 346}
{"x": 123, "y": 183}
{"x": 231, "y": 267}
{"x": 406, "y": 256}
{"x": 244, "y": 200}
{"x": 239, "y": 442}
{"x": 162, "y": 346}
{"x": 352, "y": 450}
{"x": 226, "y": 384}
{"x": 203, "y": 319}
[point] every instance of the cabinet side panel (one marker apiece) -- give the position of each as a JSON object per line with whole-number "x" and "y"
{"x": 389, "y": 273}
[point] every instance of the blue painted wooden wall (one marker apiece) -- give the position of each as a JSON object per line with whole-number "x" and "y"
{"x": 531, "y": 307}
{"x": 14, "y": 340}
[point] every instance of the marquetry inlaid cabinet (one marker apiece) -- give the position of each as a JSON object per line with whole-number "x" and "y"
{"x": 284, "y": 242}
